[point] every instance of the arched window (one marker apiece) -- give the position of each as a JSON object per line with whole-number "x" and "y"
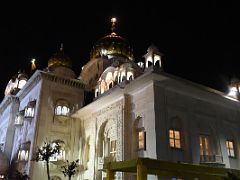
{"x": 157, "y": 60}
{"x": 19, "y": 118}
{"x": 62, "y": 108}
{"x": 58, "y": 110}
{"x": 140, "y": 64}
{"x": 175, "y": 133}
{"x": 102, "y": 86}
{"x": 23, "y": 153}
{"x": 130, "y": 78}
{"x": 231, "y": 143}
{"x": 110, "y": 85}
{"x": 96, "y": 93}
{"x": 65, "y": 110}
{"x": 149, "y": 63}
{"x": 174, "y": 138}
{"x": 140, "y": 134}
{"x": 30, "y": 109}
{"x": 157, "y": 63}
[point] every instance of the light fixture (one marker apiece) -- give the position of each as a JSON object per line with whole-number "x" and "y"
{"x": 234, "y": 88}
{"x": 22, "y": 80}
{"x": 113, "y": 20}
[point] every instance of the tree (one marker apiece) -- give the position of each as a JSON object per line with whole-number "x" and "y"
{"x": 70, "y": 168}
{"x": 46, "y": 151}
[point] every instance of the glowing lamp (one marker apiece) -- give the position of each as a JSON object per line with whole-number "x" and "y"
{"x": 33, "y": 60}
{"x": 113, "y": 20}
{"x": 233, "y": 92}
{"x": 22, "y": 80}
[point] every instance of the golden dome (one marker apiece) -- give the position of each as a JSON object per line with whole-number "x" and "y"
{"x": 59, "y": 59}
{"x": 112, "y": 46}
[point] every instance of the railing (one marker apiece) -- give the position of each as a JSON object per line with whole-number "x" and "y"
{"x": 211, "y": 159}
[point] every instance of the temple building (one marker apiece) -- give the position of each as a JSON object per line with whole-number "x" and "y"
{"x": 137, "y": 110}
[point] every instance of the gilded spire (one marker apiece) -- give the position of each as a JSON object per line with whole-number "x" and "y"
{"x": 113, "y": 28}
{"x": 33, "y": 65}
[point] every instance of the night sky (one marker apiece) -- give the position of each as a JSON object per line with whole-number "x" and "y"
{"x": 198, "y": 40}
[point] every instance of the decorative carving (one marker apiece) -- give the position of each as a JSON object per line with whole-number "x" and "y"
{"x": 70, "y": 82}
{"x": 112, "y": 115}
{"x": 43, "y": 75}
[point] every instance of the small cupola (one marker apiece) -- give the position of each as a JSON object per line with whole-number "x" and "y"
{"x": 234, "y": 90}
{"x": 61, "y": 64}
{"x": 59, "y": 59}
{"x": 16, "y": 83}
{"x": 153, "y": 57}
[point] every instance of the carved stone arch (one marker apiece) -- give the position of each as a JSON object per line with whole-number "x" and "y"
{"x": 100, "y": 146}
{"x": 100, "y": 138}
{"x": 110, "y": 129}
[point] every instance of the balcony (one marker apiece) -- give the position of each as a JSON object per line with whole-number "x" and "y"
{"x": 213, "y": 160}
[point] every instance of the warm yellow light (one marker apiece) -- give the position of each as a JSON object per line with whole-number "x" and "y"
{"x": 113, "y": 20}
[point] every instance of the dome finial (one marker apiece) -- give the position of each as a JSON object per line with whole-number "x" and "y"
{"x": 33, "y": 65}
{"x": 113, "y": 28}
{"x": 61, "y": 47}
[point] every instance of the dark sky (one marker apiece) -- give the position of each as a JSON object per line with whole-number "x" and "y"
{"x": 199, "y": 40}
